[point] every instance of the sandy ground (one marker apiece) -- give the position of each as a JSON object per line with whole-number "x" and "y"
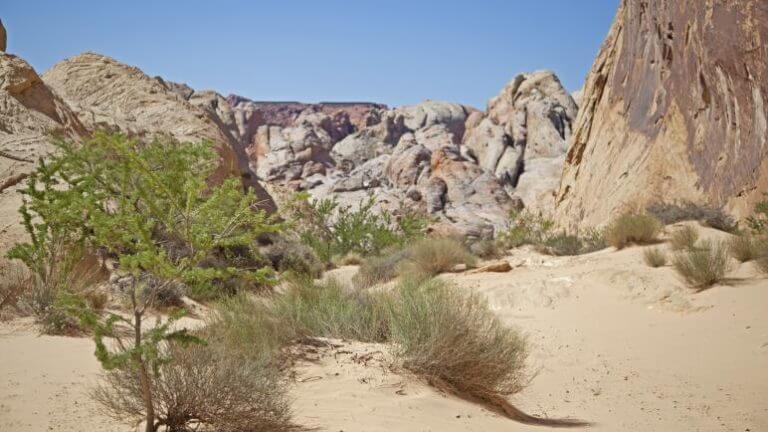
{"x": 613, "y": 341}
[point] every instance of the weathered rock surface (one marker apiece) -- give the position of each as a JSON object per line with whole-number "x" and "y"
{"x": 107, "y": 94}
{"x": 3, "y": 37}
{"x": 674, "y": 108}
{"x": 29, "y": 114}
{"x": 528, "y": 123}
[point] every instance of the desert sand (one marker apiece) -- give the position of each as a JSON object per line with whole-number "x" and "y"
{"x": 612, "y": 341}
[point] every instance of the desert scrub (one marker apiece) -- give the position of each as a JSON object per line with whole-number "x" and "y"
{"x": 704, "y": 265}
{"x": 526, "y": 228}
{"x": 379, "y": 269}
{"x": 745, "y": 247}
{"x": 333, "y": 230}
{"x": 714, "y": 217}
{"x": 454, "y": 341}
{"x": 684, "y": 238}
{"x": 432, "y": 256}
{"x": 562, "y": 244}
{"x": 655, "y": 257}
{"x": 632, "y": 228}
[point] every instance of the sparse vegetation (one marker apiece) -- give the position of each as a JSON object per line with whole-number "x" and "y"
{"x": 655, "y": 257}
{"x": 704, "y": 265}
{"x": 528, "y": 228}
{"x": 432, "y": 256}
{"x": 669, "y": 213}
{"x": 485, "y": 249}
{"x": 632, "y": 228}
{"x": 758, "y": 221}
{"x": 334, "y": 231}
{"x": 745, "y": 247}
{"x": 684, "y": 238}
{"x": 380, "y": 269}
{"x": 562, "y": 244}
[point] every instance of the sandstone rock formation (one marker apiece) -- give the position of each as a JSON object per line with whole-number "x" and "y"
{"x": 107, "y": 94}
{"x": 29, "y": 114}
{"x": 3, "y": 37}
{"x": 674, "y": 108}
{"x": 523, "y": 136}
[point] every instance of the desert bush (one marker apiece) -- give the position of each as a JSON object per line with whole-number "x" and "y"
{"x": 745, "y": 247}
{"x": 704, "y": 265}
{"x": 669, "y": 213}
{"x": 562, "y": 244}
{"x": 326, "y": 309}
{"x": 684, "y": 238}
{"x": 350, "y": 259}
{"x": 380, "y": 269}
{"x": 148, "y": 205}
{"x": 15, "y": 282}
{"x": 454, "y": 341}
{"x": 629, "y": 228}
{"x": 655, "y": 257}
{"x": 526, "y": 228}
{"x": 333, "y": 230}
{"x": 288, "y": 255}
{"x": 758, "y": 221}
{"x": 432, "y": 256}
{"x": 202, "y": 388}
{"x": 485, "y": 249}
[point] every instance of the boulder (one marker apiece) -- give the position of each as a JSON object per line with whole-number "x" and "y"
{"x": 674, "y": 108}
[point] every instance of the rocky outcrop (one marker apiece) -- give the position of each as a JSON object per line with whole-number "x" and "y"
{"x": 523, "y": 136}
{"x": 30, "y": 113}
{"x": 3, "y": 37}
{"x": 107, "y": 94}
{"x": 674, "y": 108}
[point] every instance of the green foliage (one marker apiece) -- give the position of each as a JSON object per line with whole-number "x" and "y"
{"x": 745, "y": 247}
{"x": 149, "y": 205}
{"x": 655, "y": 257}
{"x": 632, "y": 228}
{"x": 758, "y": 221}
{"x": 530, "y": 229}
{"x": 332, "y": 230}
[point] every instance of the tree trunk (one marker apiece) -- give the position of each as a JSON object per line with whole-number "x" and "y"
{"x": 146, "y": 389}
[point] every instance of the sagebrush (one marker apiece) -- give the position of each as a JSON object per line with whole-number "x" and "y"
{"x": 632, "y": 228}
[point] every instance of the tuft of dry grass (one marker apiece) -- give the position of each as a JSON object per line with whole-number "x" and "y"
{"x": 655, "y": 257}
{"x": 745, "y": 247}
{"x": 432, "y": 256}
{"x": 703, "y": 266}
{"x": 684, "y": 238}
{"x": 349, "y": 259}
{"x": 632, "y": 228}
{"x": 380, "y": 269}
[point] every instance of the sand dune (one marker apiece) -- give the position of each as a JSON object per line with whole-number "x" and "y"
{"x": 613, "y": 342}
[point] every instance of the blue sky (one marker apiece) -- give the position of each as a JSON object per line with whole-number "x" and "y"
{"x": 395, "y": 52}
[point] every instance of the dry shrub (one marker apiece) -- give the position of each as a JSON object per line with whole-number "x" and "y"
{"x": 655, "y": 257}
{"x": 15, "y": 282}
{"x": 349, "y": 259}
{"x": 684, "y": 238}
{"x": 632, "y": 228}
{"x": 432, "y": 256}
{"x": 289, "y": 255}
{"x": 761, "y": 248}
{"x": 745, "y": 247}
{"x": 703, "y": 266}
{"x": 486, "y": 249}
{"x": 453, "y": 340}
{"x": 203, "y": 388}
{"x": 380, "y": 269}
{"x": 326, "y": 309}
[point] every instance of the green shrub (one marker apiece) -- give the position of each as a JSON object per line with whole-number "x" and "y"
{"x": 758, "y": 221}
{"x": 670, "y": 213}
{"x": 332, "y": 230}
{"x": 526, "y": 228}
{"x": 289, "y": 255}
{"x": 148, "y": 205}
{"x": 684, "y": 238}
{"x": 632, "y": 228}
{"x": 562, "y": 244}
{"x": 432, "y": 256}
{"x": 703, "y": 266}
{"x": 655, "y": 257}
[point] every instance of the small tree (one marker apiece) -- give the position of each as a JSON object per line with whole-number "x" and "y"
{"x": 149, "y": 206}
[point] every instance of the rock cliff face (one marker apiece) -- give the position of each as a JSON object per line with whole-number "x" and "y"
{"x": 29, "y": 114}
{"x": 3, "y": 37}
{"x": 674, "y": 108}
{"x": 107, "y": 94}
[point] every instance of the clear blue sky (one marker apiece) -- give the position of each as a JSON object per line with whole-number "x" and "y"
{"x": 395, "y": 52}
